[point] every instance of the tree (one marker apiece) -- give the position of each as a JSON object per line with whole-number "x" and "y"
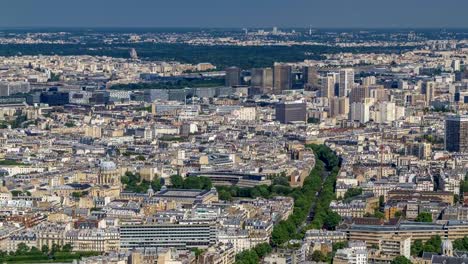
{"x": 280, "y": 234}
{"x": 332, "y": 220}
{"x": 192, "y": 183}
{"x": 318, "y": 256}
{"x": 262, "y": 249}
{"x": 124, "y": 179}
{"x": 55, "y": 248}
{"x": 424, "y": 217}
{"x": 247, "y": 257}
{"x": 45, "y": 249}
{"x": 177, "y": 181}
{"x": 35, "y": 251}
{"x": 461, "y": 244}
{"x": 352, "y": 192}
{"x": 156, "y": 184}
{"x": 338, "y": 245}
{"x": 22, "y": 249}
{"x": 433, "y": 244}
{"x": 379, "y": 214}
{"x": 417, "y": 248}
{"x": 225, "y": 195}
{"x": 398, "y": 214}
{"x": 16, "y": 193}
{"x": 76, "y": 195}
{"x": 67, "y": 247}
{"x": 401, "y": 260}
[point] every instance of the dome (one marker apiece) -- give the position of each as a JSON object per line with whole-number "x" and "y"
{"x": 108, "y": 166}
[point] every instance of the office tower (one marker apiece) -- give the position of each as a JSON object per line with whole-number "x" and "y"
{"x": 387, "y": 112}
{"x": 336, "y": 79}
{"x": 257, "y": 77}
{"x": 327, "y": 86}
{"x": 233, "y": 77}
{"x": 294, "y": 111}
{"x": 456, "y": 133}
{"x": 282, "y": 79}
{"x": 338, "y": 106}
{"x": 456, "y": 65}
{"x": 403, "y": 85}
{"x": 346, "y": 82}
{"x": 358, "y": 94}
{"x": 379, "y": 93}
{"x": 428, "y": 90}
{"x": 267, "y": 80}
{"x": 359, "y": 111}
{"x": 421, "y": 150}
{"x": 310, "y": 77}
{"x": 370, "y": 80}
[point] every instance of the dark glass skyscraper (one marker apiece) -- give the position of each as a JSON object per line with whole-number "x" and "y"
{"x": 287, "y": 112}
{"x": 282, "y": 78}
{"x": 310, "y": 77}
{"x": 233, "y": 76}
{"x": 456, "y": 133}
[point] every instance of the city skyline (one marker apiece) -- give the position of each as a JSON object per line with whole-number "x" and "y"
{"x": 209, "y": 13}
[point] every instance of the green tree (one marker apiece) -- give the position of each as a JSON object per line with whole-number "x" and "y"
{"x": 225, "y": 195}
{"x": 177, "y": 181}
{"x": 280, "y": 234}
{"x": 424, "y": 217}
{"x": 398, "y": 214}
{"x": 417, "y": 248}
{"x": 45, "y": 249}
{"x": 22, "y": 249}
{"x": 401, "y": 260}
{"x": 332, "y": 220}
{"x": 461, "y": 244}
{"x": 433, "y": 244}
{"x": 192, "y": 183}
{"x": 247, "y": 257}
{"x": 318, "y": 256}
{"x": 55, "y": 248}
{"x": 16, "y": 193}
{"x": 77, "y": 195}
{"x": 156, "y": 184}
{"x": 379, "y": 214}
{"x": 262, "y": 249}
{"x": 67, "y": 247}
{"x": 352, "y": 192}
{"x": 339, "y": 245}
{"x": 35, "y": 251}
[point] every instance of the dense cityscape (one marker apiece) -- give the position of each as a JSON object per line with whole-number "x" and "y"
{"x": 221, "y": 146}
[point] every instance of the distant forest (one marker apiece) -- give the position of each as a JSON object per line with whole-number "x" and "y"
{"x": 222, "y": 56}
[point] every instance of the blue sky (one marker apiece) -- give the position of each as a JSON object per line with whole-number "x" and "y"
{"x": 234, "y": 13}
